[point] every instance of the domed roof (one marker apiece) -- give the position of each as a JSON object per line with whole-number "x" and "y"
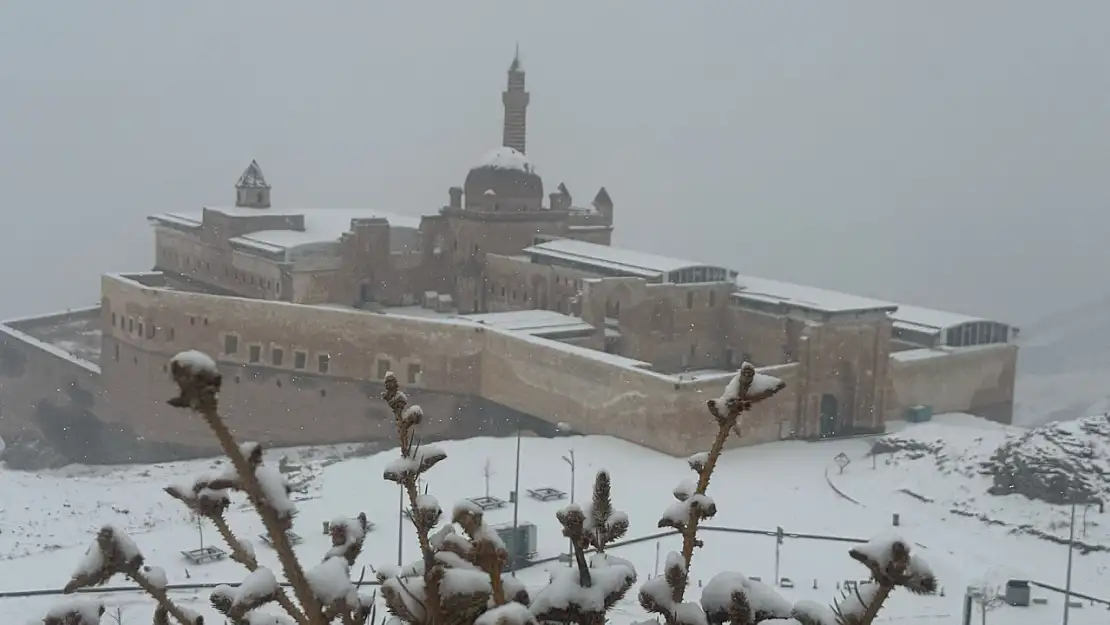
{"x": 507, "y": 173}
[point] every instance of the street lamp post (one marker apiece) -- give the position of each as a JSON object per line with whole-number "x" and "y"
{"x": 1067, "y": 585}
{"x": 516, "y": 504}
{"x": 569, "y": 459}
{"x": 400, "y": 523}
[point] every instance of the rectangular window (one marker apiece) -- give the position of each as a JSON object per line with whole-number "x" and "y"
{"x": 117, "y": 352}
{"x": 383, "y": 368}
{"x": 276, "y": 356}
{"x": 170, "y": 337}
{"x": 712, "y": 298}
{"x": 690, "y": 300}
{"x": 141, "y": 332}
{"x": 130, "y": 324}
{"x": 414, "y": 373}
{"x": 254, "y": 353}
{"x": 113, "y": 320}
{"x": 300, "y": 360}
{"x": 323, "y": 363}
{"x": 151, "y": 330}
{"x": 231, "y": 344}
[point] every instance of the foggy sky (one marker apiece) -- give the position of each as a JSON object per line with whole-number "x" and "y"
{"x": 948, "y": 154}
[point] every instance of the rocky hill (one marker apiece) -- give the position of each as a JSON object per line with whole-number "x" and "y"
{"x": 1060, "y": 463}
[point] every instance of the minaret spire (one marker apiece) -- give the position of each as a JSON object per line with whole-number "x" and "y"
{"x": 515, "y": 99}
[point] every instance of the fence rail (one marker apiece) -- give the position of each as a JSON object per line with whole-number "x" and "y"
{"x": 16, "y": 594}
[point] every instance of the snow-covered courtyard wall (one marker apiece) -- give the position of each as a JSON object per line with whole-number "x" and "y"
{"x": 976, "y": 380}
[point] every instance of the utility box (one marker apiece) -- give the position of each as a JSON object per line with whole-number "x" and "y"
{"x": 525, "y": 537}
{"x": 1018, "y": 593}
{"x": 918, "y": 414}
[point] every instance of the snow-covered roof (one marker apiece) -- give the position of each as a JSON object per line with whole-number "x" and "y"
{"x": 321, "y": 225}
{"x": 914, "y": 318}
{"x": 610, "y": 258}
{"x": 806, "y": 296}
{"x": 929, "y": 318}
{"x": 505, "y": 157}
{"x": 252, "y": 178}
{"x": 534, "y": 322}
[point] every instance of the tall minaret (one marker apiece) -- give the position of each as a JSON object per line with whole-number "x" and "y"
{"x": 515, "y": 99}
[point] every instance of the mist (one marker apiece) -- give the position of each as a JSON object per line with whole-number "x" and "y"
{"x": 944, "y": 154}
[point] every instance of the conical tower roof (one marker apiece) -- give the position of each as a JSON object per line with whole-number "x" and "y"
{"x": 252, "y": 178}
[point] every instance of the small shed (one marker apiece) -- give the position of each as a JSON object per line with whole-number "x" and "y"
{"x": 1018, "y": 593}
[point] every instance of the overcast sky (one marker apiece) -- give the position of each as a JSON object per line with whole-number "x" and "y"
{"x": 949, "y": 154}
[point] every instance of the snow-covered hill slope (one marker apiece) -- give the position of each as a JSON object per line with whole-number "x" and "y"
{"x": 47, "y": 519}
{"x": 1064, "y": 365}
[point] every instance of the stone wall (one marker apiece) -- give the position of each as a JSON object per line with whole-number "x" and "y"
{"x": 977, "y": 380}
{"x": 45, "y": 391}
{"x": 446, "y": 366}
{"x": 608, "y": 395}
{"x": 672, "y": 326}
{"x": 34, "y": 373}
{"x": 513, "y": 283}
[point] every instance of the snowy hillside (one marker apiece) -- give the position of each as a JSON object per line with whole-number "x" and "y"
{"x": 1064, "y": 365}
{"x": 47, "y": 519}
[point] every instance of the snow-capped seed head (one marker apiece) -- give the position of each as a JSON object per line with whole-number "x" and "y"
{"x": 684, "y": 490}
{"x": 412, "y": 466}
{"x": 698, "y": 461}
{"x": 807, "y": 611}
{"x": 890, "y": 561}
{"x": 732, "y": 597}
{"x": 412, "y": 415}
{"x": 252, "y": 452}
{"x": 197, "y": 378}
{"x": 113, "y": 552}
{"x": 508, "y": 614}
{"x": 205, "y": 496}
{"x": 466, "y": 510}
{"x": 347, "y": 536}
{"x": 156, "y": 575}
{"x": 75, "y": 611}
{"x": 702, "y": 506}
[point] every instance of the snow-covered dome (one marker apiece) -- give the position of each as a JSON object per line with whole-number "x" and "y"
{"x": 510, "y": 176}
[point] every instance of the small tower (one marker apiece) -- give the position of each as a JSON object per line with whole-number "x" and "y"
{"x": 252, "y": 190}
{"x": 604, "y": 204}
{"x": 515, "y": 100}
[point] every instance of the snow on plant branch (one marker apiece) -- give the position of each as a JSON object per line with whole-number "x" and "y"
{"x": 256, "y": 590}
{"x": 585, "y": 593}
{"x": 113, "y": 552}
{"x": 891, "y": 562}
{"x": 75, "y": 611}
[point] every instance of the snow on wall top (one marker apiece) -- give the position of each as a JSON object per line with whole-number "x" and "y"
{"x": 638, "y": 263}
{"x": 505, "y": 157}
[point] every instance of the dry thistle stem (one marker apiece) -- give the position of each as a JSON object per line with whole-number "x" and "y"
{"x": 733, "y": 598}
{"x": 325, "y": 593}
{"x": 458, "y": 579}
{"x": 585, "y": 593}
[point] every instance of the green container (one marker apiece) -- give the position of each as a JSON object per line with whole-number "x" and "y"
{"x": 919, "y": 414}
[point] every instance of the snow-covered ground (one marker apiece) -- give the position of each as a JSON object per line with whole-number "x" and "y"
{"x": 47, "y": 519}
